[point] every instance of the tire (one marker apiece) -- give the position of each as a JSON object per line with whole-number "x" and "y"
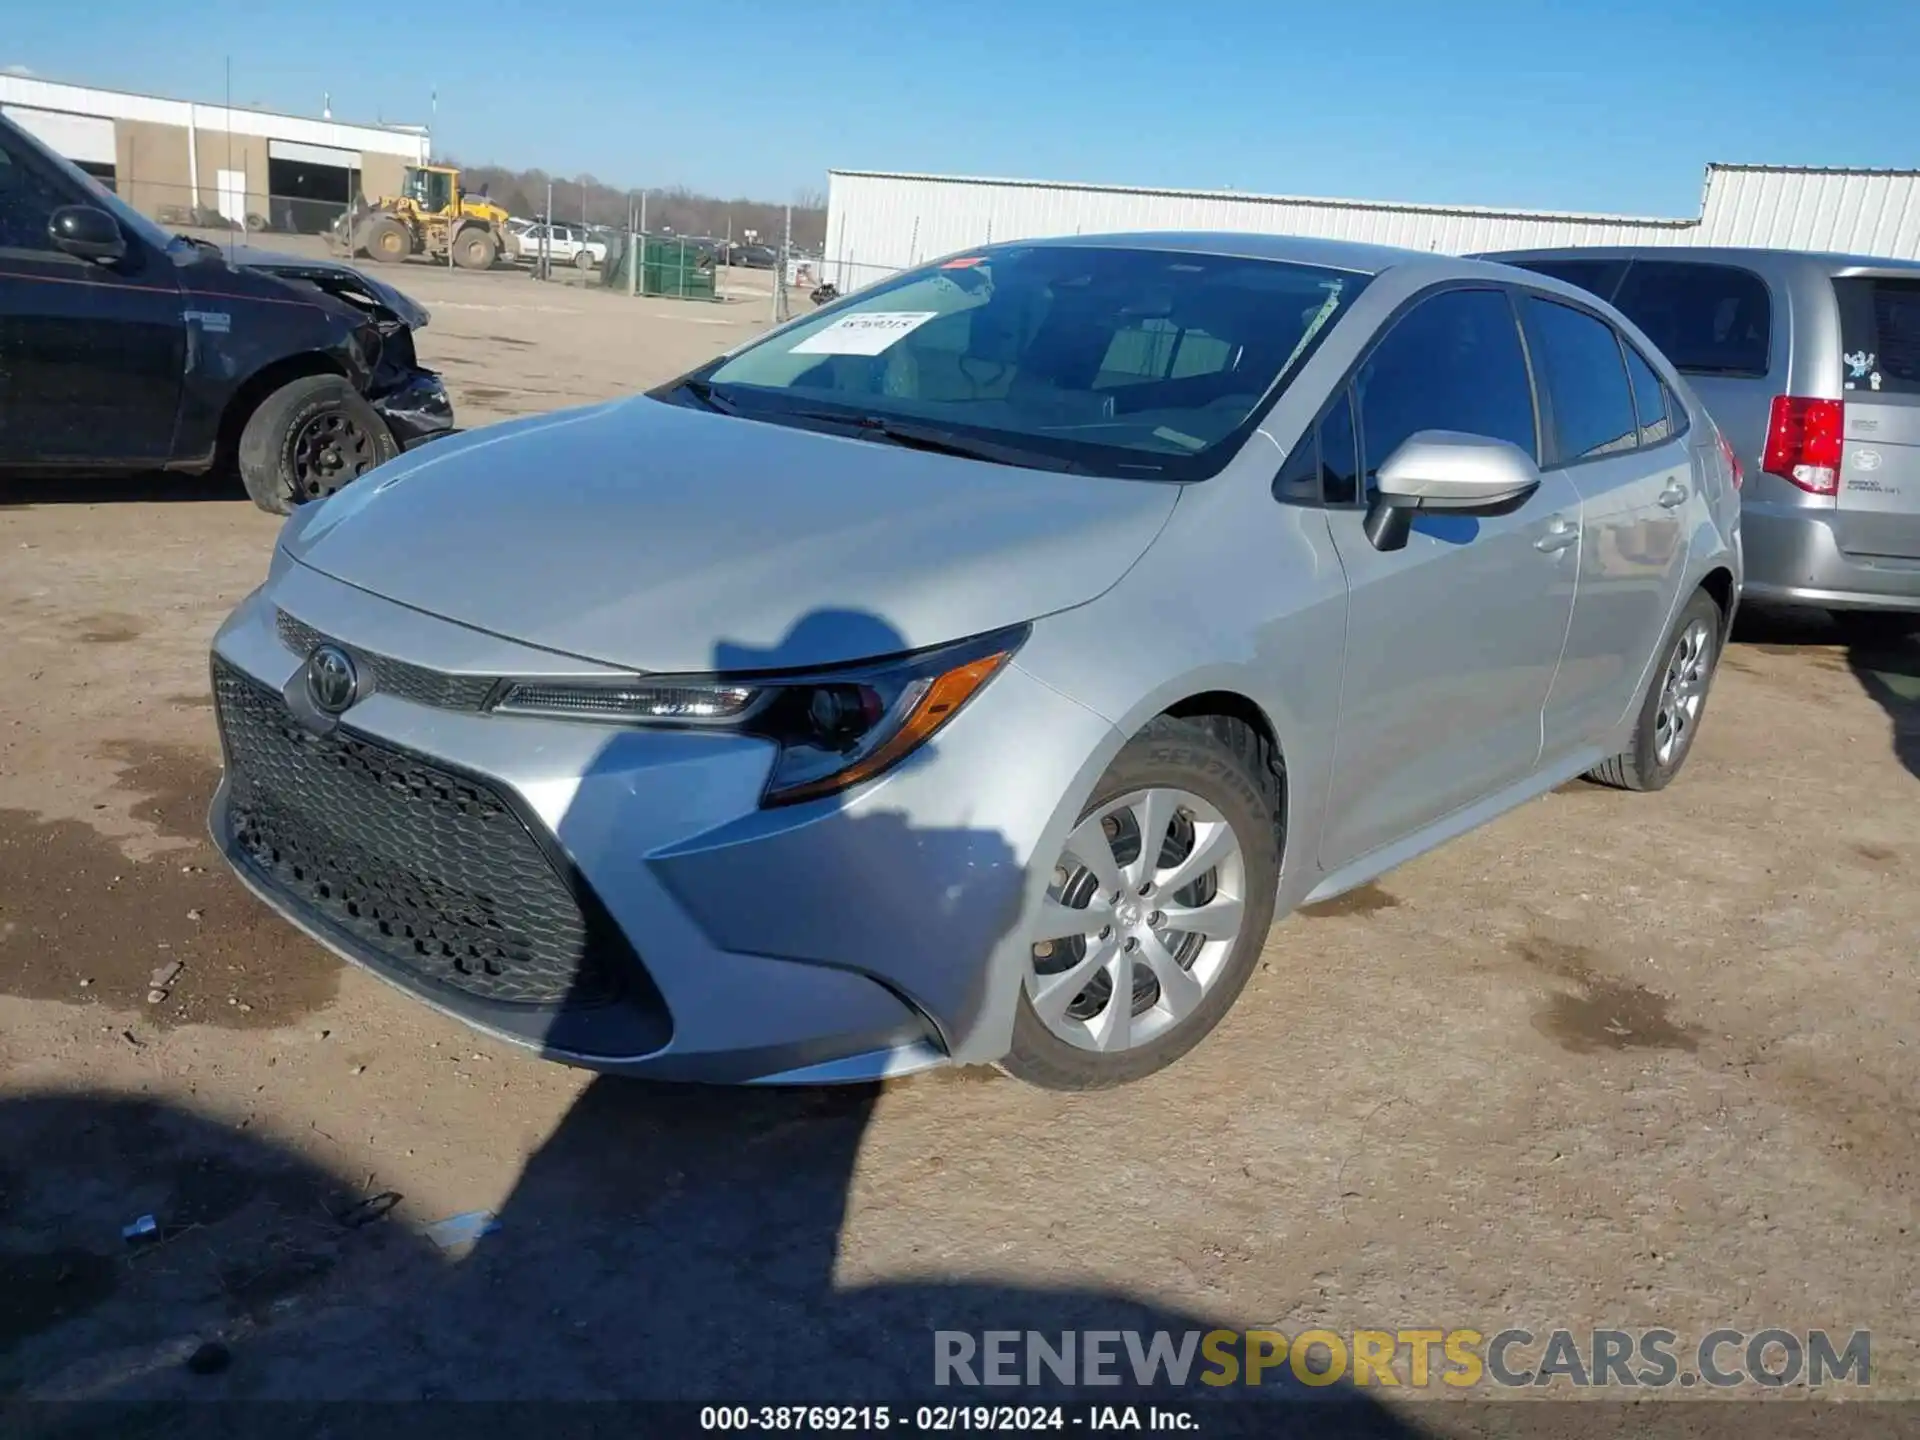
{"x": 1876, "y": 627}
{"x": 583, "y": 262}
{"x": 307, "y": 440}
{"x": 1651, "y": 762}
{"x": 1221, "y": 775}
{"x": 473, "y": 249}
{"x": 388, "y": 241}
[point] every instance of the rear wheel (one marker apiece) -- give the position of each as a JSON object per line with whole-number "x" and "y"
{"x": 1155, "y": 913}
{"x": 1876, "y": 627}
{"x": 307, "y": 440}
{"x": 473, "y": 249}
{"x": 583, "y": 260}
{"x": 389, "y": 241}
{"x": 1670, "y": 715}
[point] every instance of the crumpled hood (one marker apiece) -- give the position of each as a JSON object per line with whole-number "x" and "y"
{"x": 323, "y": 272}
{"x": 652, "y": 537}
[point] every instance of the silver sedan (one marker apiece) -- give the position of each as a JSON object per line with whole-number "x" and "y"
{"x": 971, "y": 670}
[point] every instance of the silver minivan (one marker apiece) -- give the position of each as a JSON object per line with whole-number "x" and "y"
{"x": 1810, "y": 365}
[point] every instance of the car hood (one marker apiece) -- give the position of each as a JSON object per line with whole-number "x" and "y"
{"x": 653, "y": 537}
{"x": 327, "y": 274}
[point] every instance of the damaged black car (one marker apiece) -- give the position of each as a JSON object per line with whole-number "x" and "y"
{"x": 126, "y": 349}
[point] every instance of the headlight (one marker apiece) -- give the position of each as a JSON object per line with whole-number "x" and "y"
{"x": 834, "y": 728}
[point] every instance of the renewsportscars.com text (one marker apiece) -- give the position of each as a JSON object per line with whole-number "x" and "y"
{"x": 1412, "y": 1358}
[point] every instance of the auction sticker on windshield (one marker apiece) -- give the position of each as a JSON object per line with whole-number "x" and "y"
{"x": 866, "y": 334}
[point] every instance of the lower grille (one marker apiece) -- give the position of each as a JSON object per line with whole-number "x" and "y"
{"x": 429, "y": 869}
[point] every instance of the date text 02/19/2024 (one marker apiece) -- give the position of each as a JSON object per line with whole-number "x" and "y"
{"x": 942, "y": 1419}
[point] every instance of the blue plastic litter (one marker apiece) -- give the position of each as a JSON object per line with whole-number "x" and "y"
{"x": 458, "y": 1230}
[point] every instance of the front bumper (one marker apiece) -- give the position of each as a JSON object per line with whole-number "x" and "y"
{"x": 1793, "y": 558}
{"x": 841, "y": 940}
{"x": 417, "y": 411}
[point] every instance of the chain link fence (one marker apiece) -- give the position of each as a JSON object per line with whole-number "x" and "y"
{"x": 232, "y": 207}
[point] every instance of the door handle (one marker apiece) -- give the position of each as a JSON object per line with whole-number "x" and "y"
{"x": 1560, "y": 534}
{"x": 1674, "y": 494}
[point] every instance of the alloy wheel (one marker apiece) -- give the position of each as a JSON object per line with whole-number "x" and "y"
{"x": 1682, "y": 692}
{"x": 1140, "y": 916}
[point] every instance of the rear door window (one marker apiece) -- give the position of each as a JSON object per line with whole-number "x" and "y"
{"x": 1651, "y": 402}
{"x": 1879, "y": 333}
{"x": 1586, "y": 381}
{"x": 1706, "y": 319}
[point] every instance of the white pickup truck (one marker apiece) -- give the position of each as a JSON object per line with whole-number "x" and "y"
{"x": 565, "y": 244}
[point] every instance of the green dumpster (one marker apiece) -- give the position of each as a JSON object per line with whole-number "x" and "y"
{"x": 675, "y": 268}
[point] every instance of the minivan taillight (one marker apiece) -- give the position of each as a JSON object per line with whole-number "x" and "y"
{"x": 1803, "y": 443}
{"x": 1733, "y": 460}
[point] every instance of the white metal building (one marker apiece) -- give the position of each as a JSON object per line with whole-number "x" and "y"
{"x": 287, "y": 171}
{"x": 878, "y": 223}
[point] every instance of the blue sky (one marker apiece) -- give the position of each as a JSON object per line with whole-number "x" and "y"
{"x": 1583, "y": 106}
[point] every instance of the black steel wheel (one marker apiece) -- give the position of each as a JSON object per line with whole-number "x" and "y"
{"x": 309, "y": 439}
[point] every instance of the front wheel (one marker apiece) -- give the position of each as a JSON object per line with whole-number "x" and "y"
{"x": 1155, "y": 912}
{"x": 474, "y": 250}
{"x": 388, "y": 241}
{"x": 307, "y": 440}
{"x": 1669, "y": 719}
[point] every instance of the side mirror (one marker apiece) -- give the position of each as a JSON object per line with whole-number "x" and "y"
{"x": 1446, "y": 470}
{"x": 88, "y": 233}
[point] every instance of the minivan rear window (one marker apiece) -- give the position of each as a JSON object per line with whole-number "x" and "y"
{"x": 1879, "y": 333}
{"x": 1706, "y": 319}
{"x": 1596, "y": 277}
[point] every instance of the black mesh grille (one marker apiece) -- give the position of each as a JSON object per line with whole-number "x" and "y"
{"x": 390, "y": 676}
{"x": 430, "y": 869}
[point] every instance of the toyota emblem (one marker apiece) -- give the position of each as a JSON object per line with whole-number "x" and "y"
{"x": 332, "y": 684}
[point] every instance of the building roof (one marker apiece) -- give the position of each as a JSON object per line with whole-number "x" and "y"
{"x": 1589, "y": 217}
{"x": 33, "y": 93}
{"x": 1257, "y": 198}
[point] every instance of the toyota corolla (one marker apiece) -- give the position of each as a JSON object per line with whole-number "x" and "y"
{"x": 971, "y": 670}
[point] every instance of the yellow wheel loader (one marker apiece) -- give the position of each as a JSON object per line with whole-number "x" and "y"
{"x": 433, "y": 216}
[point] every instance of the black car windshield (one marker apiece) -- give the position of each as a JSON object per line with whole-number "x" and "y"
{"x": 1120, "y": 361}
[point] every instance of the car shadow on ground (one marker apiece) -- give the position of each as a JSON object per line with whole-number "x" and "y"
{"x": 1890, "y": 673}
{"x": 1888, "y": 668}
{"x": 665, "y": 1242}
{"x": 92, "y": 489}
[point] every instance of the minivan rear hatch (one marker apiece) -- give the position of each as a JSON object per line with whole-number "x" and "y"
{"x": 1878, "y": 509}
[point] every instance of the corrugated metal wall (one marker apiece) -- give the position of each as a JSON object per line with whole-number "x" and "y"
{"x": 1854, "y": 212}
{"x": 878, "y": 224}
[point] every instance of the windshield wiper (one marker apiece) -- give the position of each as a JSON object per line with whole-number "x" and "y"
{"x": 199, "y": 243}
{"x": 940, "y": 441}
{"x": 704, "y": 392}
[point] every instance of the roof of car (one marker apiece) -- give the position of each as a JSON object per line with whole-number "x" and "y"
{"x": 1707, "y": 254}
{"x": 1300, "y": 249}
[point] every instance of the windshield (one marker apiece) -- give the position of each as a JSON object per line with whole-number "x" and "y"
{"x": 1119, "y": 361}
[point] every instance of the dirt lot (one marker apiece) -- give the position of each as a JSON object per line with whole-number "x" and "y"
{"x": 1615, "y": 1061}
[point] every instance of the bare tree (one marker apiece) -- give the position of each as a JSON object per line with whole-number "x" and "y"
{"x": 674, "y": 210}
